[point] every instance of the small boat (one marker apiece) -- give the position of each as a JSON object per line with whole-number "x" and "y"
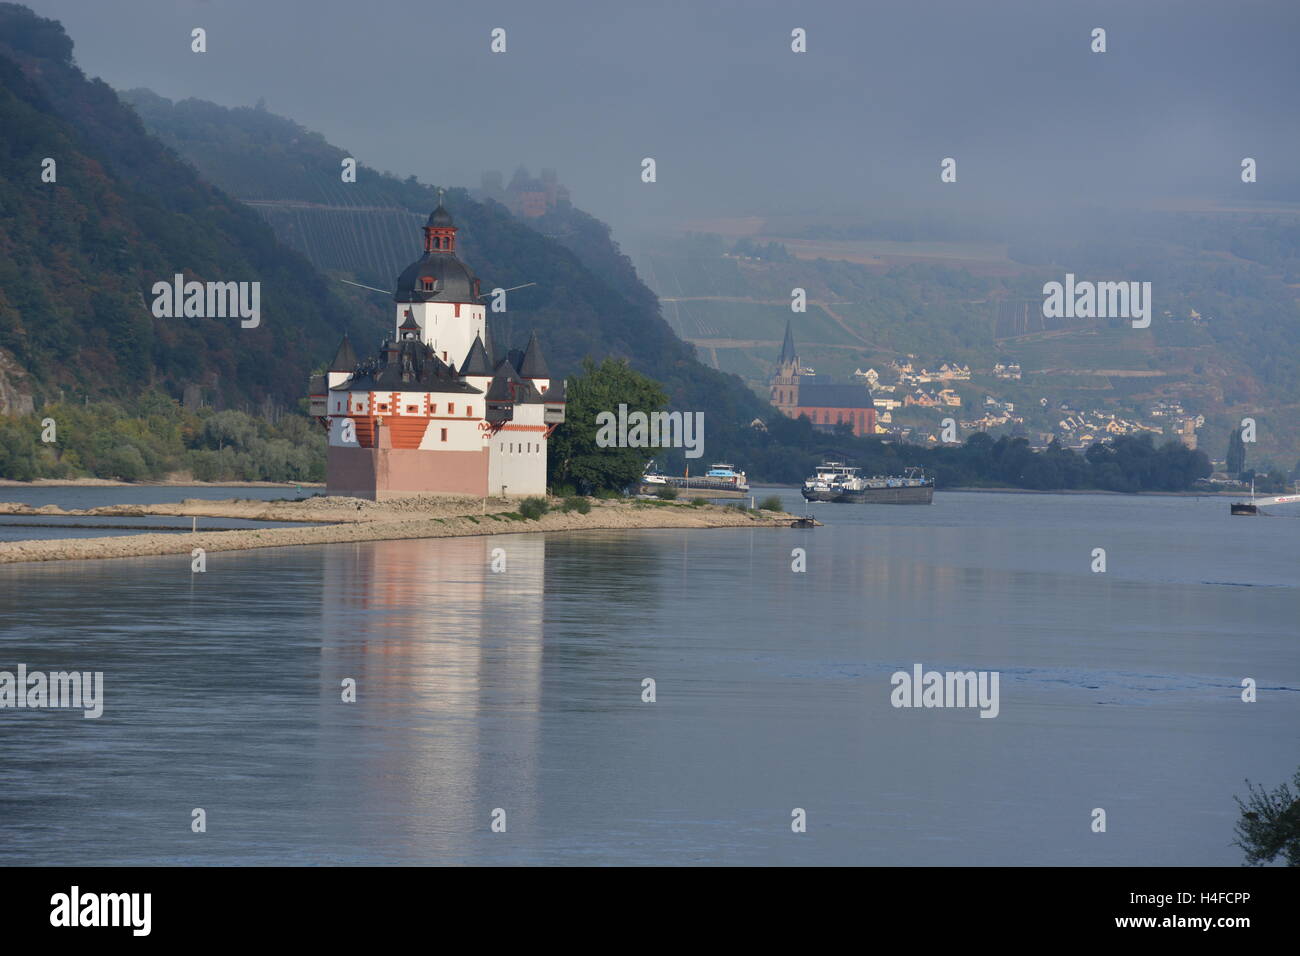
{"x": 652, "y": 476}
{"x": 721, "y": 478}
{"x": 1245, "y": 507}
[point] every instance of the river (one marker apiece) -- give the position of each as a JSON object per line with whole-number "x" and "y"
{"x": 521, "y": 691}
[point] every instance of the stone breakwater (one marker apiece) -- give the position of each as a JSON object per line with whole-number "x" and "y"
{"x": 338, "y": 520}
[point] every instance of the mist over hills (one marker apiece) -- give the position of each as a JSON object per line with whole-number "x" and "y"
{"x": 221, "y": 194}
{"x": 126, "y": 211}
{"x": 81, "y": 253}
{"x": 587, "y": 300}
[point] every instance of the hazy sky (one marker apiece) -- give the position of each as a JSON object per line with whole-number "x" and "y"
{"x": 737, "y": 123}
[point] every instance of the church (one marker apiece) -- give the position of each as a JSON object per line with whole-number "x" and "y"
{"x": 437, "y": 411}
{"x": 819, "y": 398}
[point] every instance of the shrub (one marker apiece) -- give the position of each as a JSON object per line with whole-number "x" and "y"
{"x": 666, "y": 492}
{"x": 1270, "y": 824}
{"x": 127, "y": 463}
{"x": 698, "y": 502}
{"x": 533, "y": 508}
{"x": 607, "y": 494}
{"x": 771, "y": 503}
{"x": 580, "y": 505}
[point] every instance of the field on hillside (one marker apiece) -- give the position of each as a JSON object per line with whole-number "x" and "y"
{"x": 762, "y": 324}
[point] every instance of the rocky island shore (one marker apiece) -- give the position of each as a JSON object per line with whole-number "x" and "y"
{"x": 329, "y": 520}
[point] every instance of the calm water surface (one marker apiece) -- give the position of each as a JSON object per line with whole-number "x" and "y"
{"x": 92, "y": 496}
{"x": 522, "y": 690}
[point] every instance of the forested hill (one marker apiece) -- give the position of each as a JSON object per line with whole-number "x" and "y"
{"x": 587, "y": 300}
{"x": 79, "y": 255}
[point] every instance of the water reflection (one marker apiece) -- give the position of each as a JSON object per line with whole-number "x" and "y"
{"x": 447, "y": 656}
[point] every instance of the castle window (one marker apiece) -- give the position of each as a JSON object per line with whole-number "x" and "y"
{"x": 451, "y": 408}
{"x": 383, "y": 407}
{"x": 429, "y": 283}
{"x": 444, "y": 434}
{"x": 469, "y": 412}
{"x": 412, "y": 409}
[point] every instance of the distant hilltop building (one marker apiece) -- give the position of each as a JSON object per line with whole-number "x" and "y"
{"x": 436, "y": 411}
{"x": 526, "y": 197}
{"x": 819, "y": 398}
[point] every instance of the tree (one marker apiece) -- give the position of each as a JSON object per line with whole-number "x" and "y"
{"x": 1236, "y": 453}
{"x": 1270, "y": 824}
{"x": 575, "y": 457}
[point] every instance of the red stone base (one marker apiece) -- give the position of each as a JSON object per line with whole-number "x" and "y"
{"x": 379, "y": 473}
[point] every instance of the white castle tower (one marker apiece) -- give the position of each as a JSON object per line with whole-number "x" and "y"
{"x": 435, "y": 412}
{"x": 441, "y": 294}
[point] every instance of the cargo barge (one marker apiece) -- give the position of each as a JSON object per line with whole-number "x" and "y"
{"x": 836, "y": 482}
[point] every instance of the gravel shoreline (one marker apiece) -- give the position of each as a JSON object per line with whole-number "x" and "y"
{"x": 352, "y": 519}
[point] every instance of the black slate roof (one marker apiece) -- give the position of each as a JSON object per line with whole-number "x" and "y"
{"x": 476, "y": 360}
{"x": 834, "y": 396}
{"x": 440, "y": 218}
{"x": 507, "y": 386}
{"x": 533, "y": 364}
{"x": 345, "y": 359}
{"x": 453, "y": 280}
{"x": 407, "y": 366}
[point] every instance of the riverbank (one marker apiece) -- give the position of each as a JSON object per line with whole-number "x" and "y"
{"x": 353, "y": 519}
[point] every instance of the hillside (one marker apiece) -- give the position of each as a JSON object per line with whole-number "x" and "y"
{"x": 587, "y": 300}
{"x": 79, "y": 256}
{"x": 1224, "y": 341}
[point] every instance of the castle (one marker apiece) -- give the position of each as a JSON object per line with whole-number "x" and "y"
{"x": 436, "y": 411}
{"x": 823, "y": 401}
{"x": 526, "y": 197}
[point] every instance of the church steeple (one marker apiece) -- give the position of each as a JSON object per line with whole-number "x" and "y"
{"x": 783, "y": 385}
{"x": 788, "y": 355}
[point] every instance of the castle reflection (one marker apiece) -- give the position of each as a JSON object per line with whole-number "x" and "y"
{"x": 447, "y": 656}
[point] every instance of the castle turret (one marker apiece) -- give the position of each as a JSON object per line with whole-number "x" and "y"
{"x": 532, "y": 365}
{"x": 345, "y": 360}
